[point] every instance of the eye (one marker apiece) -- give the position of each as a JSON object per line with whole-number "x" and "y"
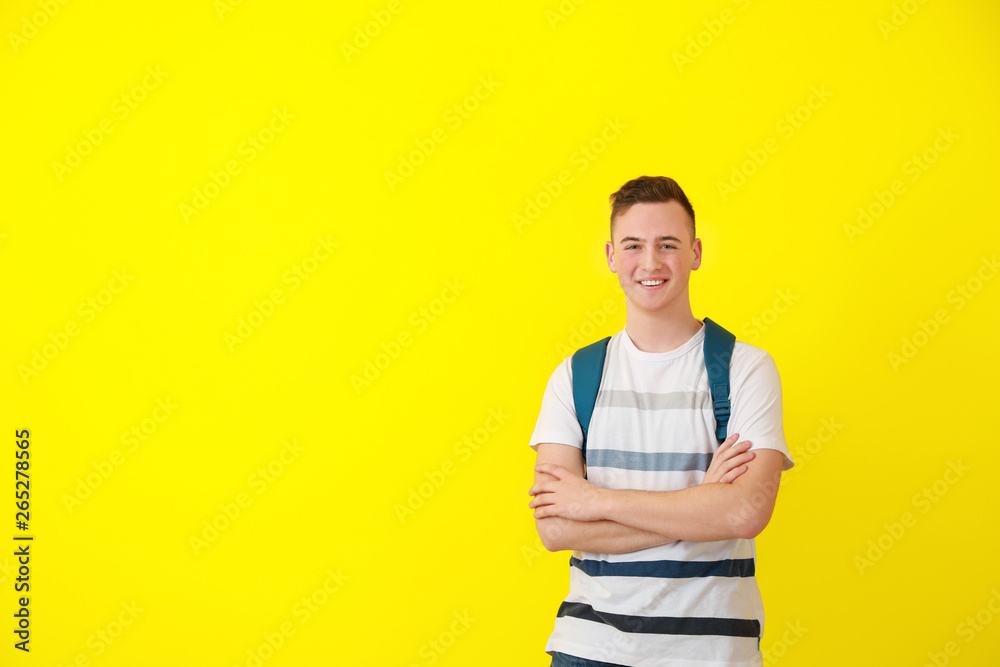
{"x": 629, "y": 247}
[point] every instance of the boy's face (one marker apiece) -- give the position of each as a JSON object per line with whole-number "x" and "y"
{"x": 652, "y": 242}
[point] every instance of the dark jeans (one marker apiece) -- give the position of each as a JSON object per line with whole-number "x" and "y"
{"x": 563, "y": 660}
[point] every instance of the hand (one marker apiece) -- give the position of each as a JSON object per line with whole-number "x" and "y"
{"x": 569, "y": 495}
{"x": 728, "y": 461}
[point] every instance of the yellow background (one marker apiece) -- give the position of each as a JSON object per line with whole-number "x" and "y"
{"x": 694, "y": 92}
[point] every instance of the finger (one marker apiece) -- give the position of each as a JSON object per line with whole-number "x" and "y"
{"x": 728, "y": 442}
{"x": 729, "y": 466}
{"x": 736, "y": 450}
{"x": 738, "y": 458}
{"x": 721, "y": 456}
{"x": 733, "y": 469}
{"x": 540, "y": 487}
{"x": 733, "y": 474}
{"x": 541, "y": 499}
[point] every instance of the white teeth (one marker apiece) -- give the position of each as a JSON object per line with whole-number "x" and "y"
{"x": 651, "y": 282}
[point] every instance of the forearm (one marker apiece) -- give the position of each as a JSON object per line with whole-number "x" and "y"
{"x": 605, "y": 536}
{"x": 702, "y": 513}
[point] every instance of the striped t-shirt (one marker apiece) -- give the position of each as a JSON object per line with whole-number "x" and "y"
{"x": 684, "y": 603}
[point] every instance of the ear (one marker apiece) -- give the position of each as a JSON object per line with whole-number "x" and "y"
{"x": 696, "y": 248}
{"x": 609, "y": 249}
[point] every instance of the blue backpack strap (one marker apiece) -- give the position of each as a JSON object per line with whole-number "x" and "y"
{"x": 588, "y": 366}
{"x": 719, "y": 345}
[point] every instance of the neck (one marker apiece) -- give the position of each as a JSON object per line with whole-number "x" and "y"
{"x": 663, "y": 331}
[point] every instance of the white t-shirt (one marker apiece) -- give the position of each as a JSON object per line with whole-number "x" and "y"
{"x": 684, "y": 603}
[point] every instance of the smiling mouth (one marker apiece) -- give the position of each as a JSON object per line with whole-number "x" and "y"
{"x": 651, "y": 283}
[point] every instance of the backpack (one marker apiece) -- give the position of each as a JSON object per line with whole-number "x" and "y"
{"x": 588, "y": 366}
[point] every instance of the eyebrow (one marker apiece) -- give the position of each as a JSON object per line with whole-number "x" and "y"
{"x": 661, "y": 238}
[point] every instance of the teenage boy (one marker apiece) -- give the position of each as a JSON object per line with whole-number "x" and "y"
{"x": 662, "y": 518}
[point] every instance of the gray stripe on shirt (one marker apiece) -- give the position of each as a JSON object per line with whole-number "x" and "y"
{"x": 671, "y": 400}
{"x": 659, "y": 461}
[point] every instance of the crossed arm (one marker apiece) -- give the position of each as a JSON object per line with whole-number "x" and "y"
{"x": 735, "y": 499}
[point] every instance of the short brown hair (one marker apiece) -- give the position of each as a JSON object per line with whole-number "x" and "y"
{"x": 648, "y": 190}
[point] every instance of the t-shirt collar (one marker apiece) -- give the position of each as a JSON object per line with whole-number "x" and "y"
{"x": 634, "y": 352}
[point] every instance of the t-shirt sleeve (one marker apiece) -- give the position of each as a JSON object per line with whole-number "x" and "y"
{"x": 557, "y": 418}
{"x": 756, "y": 408}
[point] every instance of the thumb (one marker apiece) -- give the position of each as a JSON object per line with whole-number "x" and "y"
{"x": 553, "y": 469}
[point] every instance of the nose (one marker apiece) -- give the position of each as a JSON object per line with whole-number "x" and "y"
{"x": 650, "y": 260}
